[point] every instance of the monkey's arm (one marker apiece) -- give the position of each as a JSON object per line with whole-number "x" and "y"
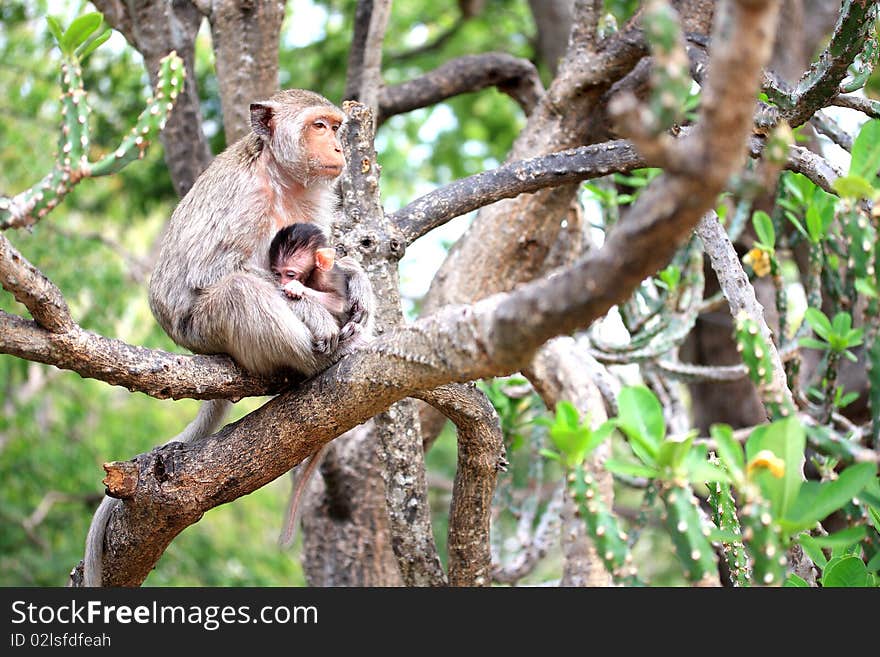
{"x": 361, "y": 300}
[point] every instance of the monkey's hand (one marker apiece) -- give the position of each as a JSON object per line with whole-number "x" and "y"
{"x": 295, "y": 290}
{"x": 362, "y": 302}
{"x": 356, "y": 326}
{"x": 324, "y": 328}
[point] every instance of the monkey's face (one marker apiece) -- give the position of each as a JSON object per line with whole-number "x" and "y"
{"x": 320, "y": 140}
{"x": 307, "y": 143}
{"x": 298, "y": 267}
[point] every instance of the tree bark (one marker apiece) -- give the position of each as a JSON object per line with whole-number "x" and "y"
{"x": 246, "y": 35}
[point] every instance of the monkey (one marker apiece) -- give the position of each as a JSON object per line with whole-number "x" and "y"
{"x": 211, "y": 289}
{"x": 304, "y": 265}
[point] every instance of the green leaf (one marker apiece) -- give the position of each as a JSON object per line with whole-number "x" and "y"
{"x": 641, "y": 419}
{"x": 874, "y": 563}
{"x": 729, "y": 451}
{"x": 797, "y": 224}
{"x": 673, "y": 451}
{"x": 794, "y": 580}
{"x": 848, "y": 572}
{"x": 817, "y": 320}
{"x": 598, "y": 436}
{"x": 853, "y": 187}
{"x": 764, "y": 228}
{"x": 567, "y": 415}
{"x": 80, "y": 30}
{"x": 55, "y": 29}
{"x": 702, "y": 472}
{"x": 866, "y": 151}
{"x": 812, "y": 549}
{"x": 550, "y": 454}
{"x": 787, "y": 440}
{"x": 94, "y": 44}
{"x": 816, "y": 501}
{"x": 813, "y": 343}
{"x": 814, "y": 224}
{"x": 874, "y": 514}
{"x": 630, "y": 469}
{"x": 842, "y": 538}
{"x": 841, "y": 324}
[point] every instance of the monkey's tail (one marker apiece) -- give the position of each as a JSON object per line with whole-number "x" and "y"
{"x": 207, "y": 420}
{"x": 210, "y": 414}
{"x": 301, "y": 481}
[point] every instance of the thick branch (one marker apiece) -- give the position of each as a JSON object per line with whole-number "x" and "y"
{"x": 867, "y": 106}
{"x": 397, "y": 433}
{"x": 30, "y": 287}
{"x": 516, "y": 77}
{"x": 437, "y": 207}
{"x": 157, "y": 373}
{"x": 671, "y": 206}
{"x": 480, "y": 455}
{"x": 245, "y": 36}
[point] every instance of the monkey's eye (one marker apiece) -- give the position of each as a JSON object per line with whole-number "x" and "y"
{"x": 320, "y": 124}
{"x": 336, "y": 127}
{"x": 292, "y": 274}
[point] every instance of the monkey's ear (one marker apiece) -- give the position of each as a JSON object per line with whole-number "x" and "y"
{"x": 325, "y": 258}
{"x": 261, "y": 115}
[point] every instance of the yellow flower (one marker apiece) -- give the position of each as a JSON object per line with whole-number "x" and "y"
{"x": 758, "y": 260}
{"x": 767, "y": 459}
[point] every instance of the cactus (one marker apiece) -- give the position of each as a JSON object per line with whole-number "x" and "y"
{"x": 822, "y": 80}
{"x": 72, "y": 161}
{"x": 688, "y": 532}
{"x": 762, "y": 537}
{"x": 724, "y": 516}
{"x": 609, "y": 539}
{"x": 756, "y": 356}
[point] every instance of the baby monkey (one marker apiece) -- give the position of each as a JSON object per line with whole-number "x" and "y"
{"x": 304, "y": 265}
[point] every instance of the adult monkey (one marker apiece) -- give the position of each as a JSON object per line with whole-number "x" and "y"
{"x": 211, "y": 289}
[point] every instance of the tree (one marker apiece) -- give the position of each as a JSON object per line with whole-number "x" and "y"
{"x": 660, "y": 116}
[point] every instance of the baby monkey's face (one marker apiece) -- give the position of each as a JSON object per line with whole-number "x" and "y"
{"x": 298, "y": 267}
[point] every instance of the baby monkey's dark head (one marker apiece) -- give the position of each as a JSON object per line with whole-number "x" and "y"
{"x": 297, "y": 250}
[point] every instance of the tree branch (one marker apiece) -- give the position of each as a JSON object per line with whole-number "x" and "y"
{"x": 364, "y": 82}
{"x": 740, "y": 294}
{"x": 480, "y": 456}
{"x": 397, "y": 432}
{"x": 867, "y": 106}
{"x": 516, "y": 77}
{"x": 245, "y": 38}
{"x": 436, "y": 208}
{"x": 156, "y": 373}
{"x": 32, "y": 289}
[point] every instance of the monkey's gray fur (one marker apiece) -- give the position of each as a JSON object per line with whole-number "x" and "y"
{"x": 211, "y": 289}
